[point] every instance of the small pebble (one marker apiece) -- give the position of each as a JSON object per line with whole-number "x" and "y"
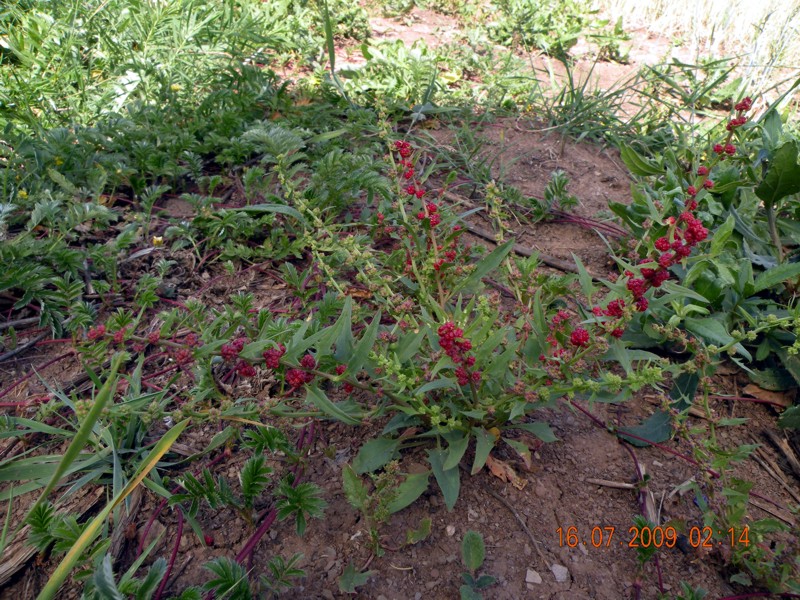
{"x": 533, "y": 577}
{"x": 450, "y": 530}
{"x": 560, "y": 572}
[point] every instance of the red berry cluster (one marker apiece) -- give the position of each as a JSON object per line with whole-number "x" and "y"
{"x": 272, "y": 357}
{"x": 231, "y": 350}
{"x": 452, "y": 341}
{"x": 297, "y": 377}
{"x": 579, "y": 337}
{"x": 740, "y": 108}
{"x": 245, "y": 369}
{"x": 431, "y": 213}
{"x": 95, "y": 333}
{"x": 183, "y": 356}
{"x": 119, "y": 335}
{"x": 405, "y": 150}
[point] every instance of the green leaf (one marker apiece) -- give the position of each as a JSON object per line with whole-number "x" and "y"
{"x": 412, "y": 488}
{"x": 657, "y": 428}
{"x": 684, "y": 388}
{"x": 722, "y": 235}
{"x": 487, "y": 264}
{"x": 473, "y": 551}
{"x": 773, "y": 379}
{"x": 456, "y": 448}
{"x": 637, "y": 164}
{"x": 93, "y": 528}
{"x": 351, "y": 578}
{"x": 469, "y": 593}
{"x": 85, "y": 430}
{"x": 374, "y": 454}
{"x": 365, "y": 344}
{"x": 790, "y": 419}
{"x": 485, "y": 441}
{"x": 336, "y": 410}
{"x": 354, "y": 489}
{"x": 414, "y": 536}
{"x": 448, "y": 479}
{"x": 783, "y": 175}
{"x": 271, "y": 208}
{"x": 714, "y": 332}
{"x": 587, "y": 287}
{"x": 540, "y": 430}
{"x": 436, "y": 384}
{"x": 776, "y": 275}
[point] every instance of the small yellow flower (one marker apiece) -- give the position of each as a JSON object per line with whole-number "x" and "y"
{"x": 176, "y": 87}
{"x": 59, "y": 161}
{"x": 158, "y": 241}
{"x": 22, "y": 194}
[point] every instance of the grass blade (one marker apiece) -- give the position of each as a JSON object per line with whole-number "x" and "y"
{"x": 93, "y": 529}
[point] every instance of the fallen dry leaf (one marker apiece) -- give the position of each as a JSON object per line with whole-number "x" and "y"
{"x": 503, "y": 471}
{"x": 781, "y": 398}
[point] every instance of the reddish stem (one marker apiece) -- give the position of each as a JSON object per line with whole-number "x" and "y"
{"x": 172, "y": 557}
{"x": 34, "y": 371}
{"x": 688, "y": 459}
{"x": 174, "y": 303}
{"x": 163, "y": 503}
{"x": 56, "y": 341}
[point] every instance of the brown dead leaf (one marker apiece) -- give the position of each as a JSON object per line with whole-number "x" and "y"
{"x": 504, "y": 472}
{"x": 358, "y": 293}
{"x": 781, "y": 398}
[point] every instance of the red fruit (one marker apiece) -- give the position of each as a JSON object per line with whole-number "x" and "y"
{"x": 435, "y": 220}
{"x": 476, "y": 376}
{"x": 702, "y": 170}
{"x": 662, "y": 244}
{"x": 666, "y": 260}
{"x": 119, "y": 336}
{"x": 615, "y": 308}
{"x": 579, "y": 337}
{"x": 708, "y": 184}
{"x": 154, "y": 337}
{"x": 208, "y": 540}
{"x": 641, "y": 304}
{"x": 408, "y": 174}
{"x": 183, "y": 356}
{"x": 420, "y": 193}
{"x": 691, "y": 190}
{"x": 637, "y": 287}
{"x": 348, "y": 388}
{"x": 308, "y": 362}
{"x": 245, "y": 369}
{"x": 295, "y": 378}
{"x": 744, "y": 105}
{"x": 730, "y": 149}
{"x": 617, "y": 333}
{"x": 341, "y": 369}
{"x": 719, "y": 148}
{"x": 95, "y": 333}
{"x": 272, "y": 357}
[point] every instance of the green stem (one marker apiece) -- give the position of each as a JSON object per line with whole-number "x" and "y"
{"x": 773, "y": 230}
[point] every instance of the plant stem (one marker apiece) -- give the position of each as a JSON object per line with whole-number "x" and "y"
{"x": 773, "y": 230}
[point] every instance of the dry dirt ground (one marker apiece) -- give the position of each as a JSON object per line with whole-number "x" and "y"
{"x": 519, "y": 524}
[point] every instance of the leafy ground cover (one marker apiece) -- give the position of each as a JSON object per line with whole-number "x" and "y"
{"x": 306, "y": 301}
